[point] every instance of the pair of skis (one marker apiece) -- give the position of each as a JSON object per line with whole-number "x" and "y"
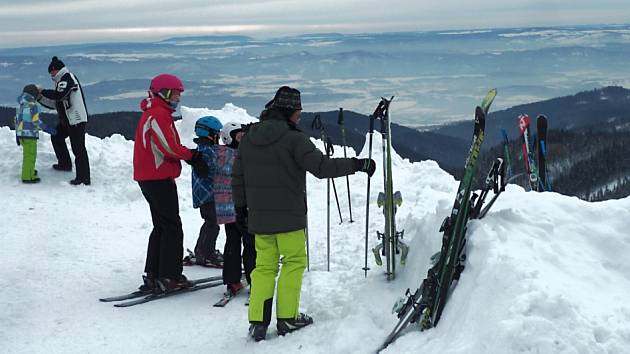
{"x": 391, "y": 239}
{"x": 537, "y": 172}
{"x": 141, "y": 297}
{"x": 426, "y": 304}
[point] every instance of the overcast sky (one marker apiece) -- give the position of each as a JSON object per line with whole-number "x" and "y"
{"x": 35, "y": 22}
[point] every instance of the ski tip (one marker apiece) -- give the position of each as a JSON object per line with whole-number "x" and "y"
{"x": 487, "y": 101}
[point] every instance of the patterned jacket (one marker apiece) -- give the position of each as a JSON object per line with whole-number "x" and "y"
{"x": 217, "y": 186}
{"x": 67, "y": 98}
{"x": 223, "y": 185}
{"x": 27, "y": 123}
{"x": 203, "y": 188}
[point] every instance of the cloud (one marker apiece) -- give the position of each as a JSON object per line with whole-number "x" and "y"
{"x": 44, "y": 22}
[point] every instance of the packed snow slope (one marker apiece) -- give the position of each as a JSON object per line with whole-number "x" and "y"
{"x": 545, "y": 273}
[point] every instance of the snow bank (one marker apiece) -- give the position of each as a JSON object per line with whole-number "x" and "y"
{"x": 545, "y": 274}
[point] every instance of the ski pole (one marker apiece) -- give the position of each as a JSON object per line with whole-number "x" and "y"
{"x": 376, "y": 113}
{"x": 328, "y": 147}
{"x": 308, "y": 252}
{"x": 340, "y": 121}
{"x": 328, "y": 224}
{"x": 317, "y": 124}
{"x": 329, "y": 152}
{"x": 367, "y": 203}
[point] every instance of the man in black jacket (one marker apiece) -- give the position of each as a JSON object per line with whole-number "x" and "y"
{"x": 269, "y": 191}
{"x": 68, "y": 99}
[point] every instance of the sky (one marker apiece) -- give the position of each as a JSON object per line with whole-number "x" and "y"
{"x": 43, "y": 22}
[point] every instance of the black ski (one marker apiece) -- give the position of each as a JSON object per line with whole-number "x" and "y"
{"x": 541, "y": 128}
{"x": 139, "y": 293}
{"x": 454, "y": 227}
{"x": 426, "y": 304}
{"x": 408, "y": 311}
{"x": 161, "y": 295}
{"x": 506, "y": 153}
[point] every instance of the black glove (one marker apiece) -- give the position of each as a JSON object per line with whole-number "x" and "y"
{"x": 242, "y": 219}
{"x": 365, "y": 165}
{"x": 17, "y": 140}
{"x": 198, "y": 164}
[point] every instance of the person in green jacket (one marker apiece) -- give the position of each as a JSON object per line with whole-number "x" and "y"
{"x": 269, "y": 190}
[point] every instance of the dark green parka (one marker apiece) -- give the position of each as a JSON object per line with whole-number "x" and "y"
{"x": 269, "y": 174}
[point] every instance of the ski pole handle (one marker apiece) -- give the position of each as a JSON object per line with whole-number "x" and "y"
{"x": 330, "y": 150}
{"x": 317, "y": 122}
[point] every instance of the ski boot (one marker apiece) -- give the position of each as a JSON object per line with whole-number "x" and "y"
{"x": 235, "y": 288}
{"x": 258, "y": 331}
{"x": 170, "y": 284}
{"x": 285, "y": 326}
{"x": 149, "y": 283}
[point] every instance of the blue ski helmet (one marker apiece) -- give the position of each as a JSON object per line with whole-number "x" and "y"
{"x": 207, "y": 125}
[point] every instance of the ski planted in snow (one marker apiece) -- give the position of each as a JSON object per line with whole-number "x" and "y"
{"x": 425, "y": 305}
{"x": 528, "y": 155}
{"x": 507, "y": 157}
{"x": 139, "y": 293}
{"x": 452, "y": 253}
{"x": 541, "y": 144}
{"x": 391, "y": 238}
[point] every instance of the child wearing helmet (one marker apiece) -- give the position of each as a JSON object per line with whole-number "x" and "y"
{"x": 207, "y": 130}
{"x": 231, "y": 136}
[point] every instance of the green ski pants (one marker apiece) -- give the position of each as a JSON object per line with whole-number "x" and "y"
{"x": 29, "y": 154}
{"x": 269, "y": 248}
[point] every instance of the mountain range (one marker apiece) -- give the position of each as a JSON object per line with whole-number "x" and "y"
{"x": 435, "y": 76}
{"x": 589, "y": 138}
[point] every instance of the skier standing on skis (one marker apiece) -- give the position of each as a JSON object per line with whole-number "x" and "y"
{"x": 231, "y": 135}
{"x": 269, "y": 185}
{"x": 208, "y": 131}
{"x": 156, "y": 163}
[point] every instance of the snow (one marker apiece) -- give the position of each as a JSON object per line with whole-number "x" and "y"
{"x": 125, "y": 95}
{"x": 545, "y": 273}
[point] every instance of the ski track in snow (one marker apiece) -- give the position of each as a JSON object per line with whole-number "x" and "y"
{"x": 545, "y": 273}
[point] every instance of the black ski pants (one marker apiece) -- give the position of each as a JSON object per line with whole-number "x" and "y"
{"x": 232, "y": 254}
{"x": 166, "y": 242}
{"x": 77, "y": 143}
{"x": 207, "y": 240}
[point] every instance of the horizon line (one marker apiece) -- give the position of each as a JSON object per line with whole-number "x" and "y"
{"x": 239, "y": 30}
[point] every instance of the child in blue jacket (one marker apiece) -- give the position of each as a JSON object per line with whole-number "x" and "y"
{"x": 27, "y": 127}
{"x": 207, "y": 130}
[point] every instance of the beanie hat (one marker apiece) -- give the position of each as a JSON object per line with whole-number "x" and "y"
{"x": 31, "y": 90}
{"x": 55, "y": 64}
{"x": 286, "y": 97}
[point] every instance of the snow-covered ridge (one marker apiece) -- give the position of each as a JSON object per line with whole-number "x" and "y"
{"x": 545, "y": 273}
